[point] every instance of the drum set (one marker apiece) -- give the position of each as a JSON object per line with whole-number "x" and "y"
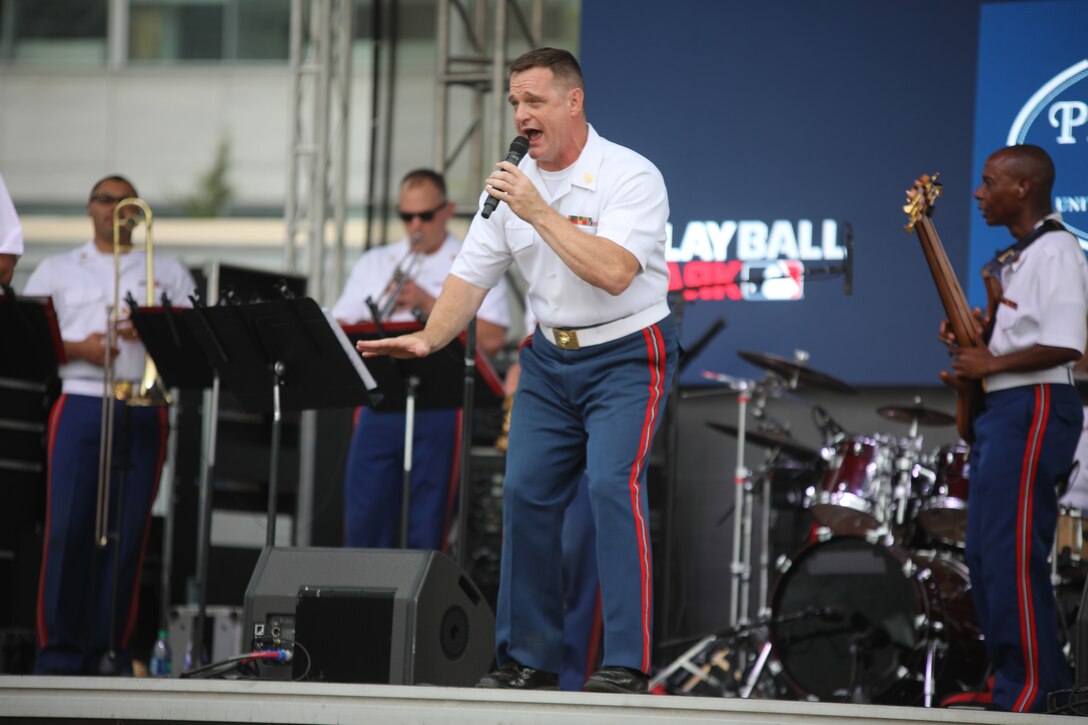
{"x": 875, "y": 606}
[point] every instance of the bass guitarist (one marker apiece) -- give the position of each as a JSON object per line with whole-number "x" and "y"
{"x": 1027, "y": 426}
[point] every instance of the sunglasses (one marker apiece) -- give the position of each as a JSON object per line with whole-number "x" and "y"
{"x": 107, "y": 199}
{"x": 424, "y": 216}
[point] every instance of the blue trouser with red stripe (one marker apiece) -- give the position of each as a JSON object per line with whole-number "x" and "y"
{"x": 373, "y": 485}
{"x": 76, "y": 583}
{"x": 581, "y": 595}
{"x": 1024, "y": 442}
{"x": 592, "y": 410}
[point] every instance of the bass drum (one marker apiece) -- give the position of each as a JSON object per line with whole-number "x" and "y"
{"x": 854, "y": 621}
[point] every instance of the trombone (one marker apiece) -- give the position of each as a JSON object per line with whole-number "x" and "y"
{"x": 150, "y": 390}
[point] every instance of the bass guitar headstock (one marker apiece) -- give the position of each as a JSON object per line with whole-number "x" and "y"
{"x": 920, "y": 199}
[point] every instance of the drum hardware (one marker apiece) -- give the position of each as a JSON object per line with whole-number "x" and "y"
{"x": 1070, "y": 556}
{"x": 740, "y": 566}
{"x": 774, "y": 436}
{"x": 862, "y": 647}
{"x": 832, "y": 430}
{"x": 716, "y": 664}
{"x": 783, "y": 375}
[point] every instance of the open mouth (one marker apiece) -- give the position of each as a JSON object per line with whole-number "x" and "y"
{"x": 533, "y": 135}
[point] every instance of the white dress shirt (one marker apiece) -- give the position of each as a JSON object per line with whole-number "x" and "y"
{"x": 1044, "y": 302}
{"x": 611, "y": 191}
{"x": 81, "y": 285}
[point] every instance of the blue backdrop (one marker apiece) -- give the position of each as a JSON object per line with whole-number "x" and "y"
{"x": 784, "y": 114}
{"x": 1033, "y": 88}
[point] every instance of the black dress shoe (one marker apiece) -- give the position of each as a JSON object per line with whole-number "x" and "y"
{"x": 516, "y": 676}
{"x": 617, "y": 679}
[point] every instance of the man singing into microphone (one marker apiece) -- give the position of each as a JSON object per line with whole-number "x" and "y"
{"x": 419, "y": 263}
{"x": 584, "y": 219}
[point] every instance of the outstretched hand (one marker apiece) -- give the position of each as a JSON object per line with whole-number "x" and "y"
{"x": 402, "y": 348}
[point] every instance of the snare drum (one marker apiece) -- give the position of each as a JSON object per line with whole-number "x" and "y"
{"x": 855, "y": 494}
{"x": 1071, "y": 542}
{"x": 943, "y": 511}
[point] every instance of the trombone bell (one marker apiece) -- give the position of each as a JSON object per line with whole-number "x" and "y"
{"x": 150, "y": 392}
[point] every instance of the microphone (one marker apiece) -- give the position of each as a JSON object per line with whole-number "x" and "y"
{"x": 518, "y": 147}
{"x": 827, "y": 425}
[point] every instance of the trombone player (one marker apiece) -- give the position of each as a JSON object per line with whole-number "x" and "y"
{"x": 81, "y": 617}
{"x": 401, "y": 282}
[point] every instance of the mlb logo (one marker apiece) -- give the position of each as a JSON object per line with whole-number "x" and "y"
{"x": 782, "y": 279}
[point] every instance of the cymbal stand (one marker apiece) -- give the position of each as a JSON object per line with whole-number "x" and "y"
{"x": 764, "y": 478}
{"x": 740, "y": 568}
{"x": 759, "y": 412}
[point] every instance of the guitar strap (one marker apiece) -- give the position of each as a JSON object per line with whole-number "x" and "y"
{"x": 1009, "y": 254}
{"x": 992, "y": 269}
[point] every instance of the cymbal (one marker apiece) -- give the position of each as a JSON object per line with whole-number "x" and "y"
{"x": 789, "y": 368}
{"x": 768, "y": 439}
{"x": 916, "y": 413}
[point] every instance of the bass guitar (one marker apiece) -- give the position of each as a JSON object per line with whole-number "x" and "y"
{"x": 965, "y": 327}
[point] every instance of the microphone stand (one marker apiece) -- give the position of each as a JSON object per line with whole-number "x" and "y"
{"x": 411, "y": 386}
{"x": 465, "y": 453}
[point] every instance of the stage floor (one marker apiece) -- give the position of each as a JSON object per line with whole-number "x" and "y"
{"x": 140, "y": 700}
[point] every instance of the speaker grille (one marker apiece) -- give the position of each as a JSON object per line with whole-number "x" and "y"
{"x": 454, "y": 633}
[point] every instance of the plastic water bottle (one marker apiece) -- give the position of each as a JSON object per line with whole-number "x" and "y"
{"x": 161, "y": 657}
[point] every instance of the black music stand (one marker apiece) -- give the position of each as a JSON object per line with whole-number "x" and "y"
{"x": 182, "y": 364}
{"x": 173, "y": 346}
{"x": 282, "y": 356}
{"x": 428, "y": 383}
{"x": 32, "y": 348}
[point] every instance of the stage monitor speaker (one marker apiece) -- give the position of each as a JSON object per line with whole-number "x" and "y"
{"x": 401, "y": 617}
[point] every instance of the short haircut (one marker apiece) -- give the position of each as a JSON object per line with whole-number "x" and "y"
{"x": 113, "y": 177}
{"x": 416, "y": 177}
{"x": 1034, "y": 163}
{"x": 562, "y": 64}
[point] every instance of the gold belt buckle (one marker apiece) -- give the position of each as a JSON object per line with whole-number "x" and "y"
{"x": 567, "y": 339}
{"x": 122, "y": 390}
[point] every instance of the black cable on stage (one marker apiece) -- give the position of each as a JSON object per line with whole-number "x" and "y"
{"x": 234, "y": 662}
